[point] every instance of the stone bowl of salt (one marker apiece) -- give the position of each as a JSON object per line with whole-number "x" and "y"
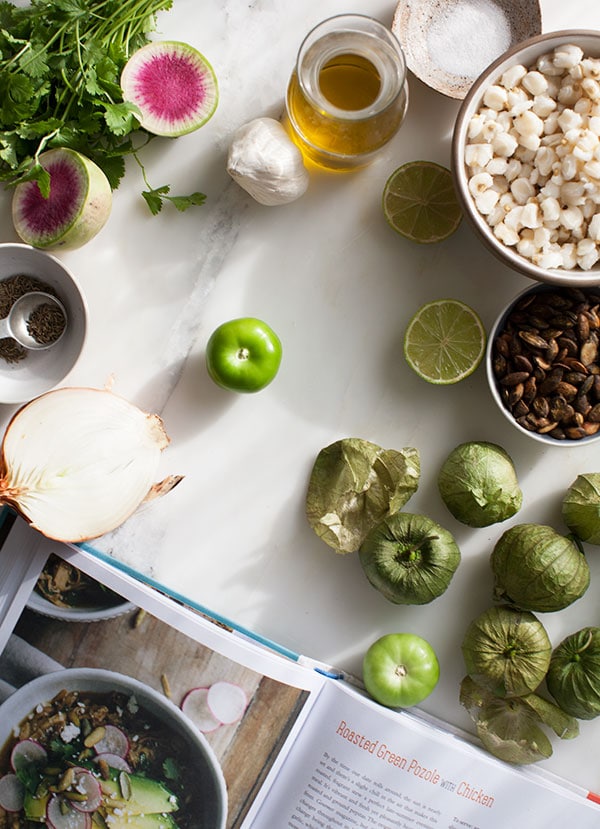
{"x": 448, "y": 43}
{"x": 25, "y": 374}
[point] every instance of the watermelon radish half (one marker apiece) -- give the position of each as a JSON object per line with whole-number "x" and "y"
{"x": 173, "y": 86}
{"x": 77, "y": 208}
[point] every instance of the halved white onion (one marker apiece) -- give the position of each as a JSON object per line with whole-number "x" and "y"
{"x": 76, "y": 462}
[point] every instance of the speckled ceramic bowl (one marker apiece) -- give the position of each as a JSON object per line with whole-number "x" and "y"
{"x": 526, "y": 54}
{"x": 448, "y": 43}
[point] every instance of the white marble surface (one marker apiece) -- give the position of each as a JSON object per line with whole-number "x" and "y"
{"x": 339, "y": 287}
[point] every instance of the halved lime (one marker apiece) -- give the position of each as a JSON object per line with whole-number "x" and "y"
{"x": 420, "y": 203}
{"x": 444, "y": 341}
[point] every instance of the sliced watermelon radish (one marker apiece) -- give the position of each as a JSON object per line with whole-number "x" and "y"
{"x": 195, "y": 706}
{"x": 76, "y": 209}
{"x": 114, "y": 761}
{"x": 114, "y": 741}
{"x": 173, "y": 86}
{"x": 84, "y": 783}
{"x": 26, "y": 752}
{"x": 12, "y": 793}
{"x": 226, "y": 701}
{"x": 60, "y": 814}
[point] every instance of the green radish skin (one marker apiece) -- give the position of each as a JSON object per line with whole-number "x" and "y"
{"x": 77, "y": 208}
{"x": 173, "y": 86}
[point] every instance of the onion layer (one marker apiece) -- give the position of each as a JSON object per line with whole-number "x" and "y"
{"x": 76, "y": 462}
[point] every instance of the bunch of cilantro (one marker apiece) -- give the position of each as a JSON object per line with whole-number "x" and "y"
{"x": 60, "y": 65}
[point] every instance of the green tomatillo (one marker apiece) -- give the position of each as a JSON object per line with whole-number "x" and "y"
{"x": 400, "y": 670}
{"x": 243, "y": 355}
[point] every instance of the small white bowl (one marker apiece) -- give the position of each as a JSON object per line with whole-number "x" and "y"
{"x": 526, "y": 54}
{"x": 497, "y": 328}
{"x": 42, "y": 370}
{"x": 447, "y": 45}
{"x": 210, "y": 782}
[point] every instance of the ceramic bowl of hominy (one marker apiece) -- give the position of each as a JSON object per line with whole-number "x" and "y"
{"x": 526, "y": 158}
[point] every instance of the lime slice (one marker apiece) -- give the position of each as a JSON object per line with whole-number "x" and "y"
{"x": 444, "y": 341}
{"x": 419, "y": 202}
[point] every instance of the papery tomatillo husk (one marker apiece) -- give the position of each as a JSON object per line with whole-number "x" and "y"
{"x": 76, "y": 462}
{"x": 574, "y": 674}
{"x": 536, "y": 568}
{"x": 581, "y": 507}
{"x": 507, "y": 651}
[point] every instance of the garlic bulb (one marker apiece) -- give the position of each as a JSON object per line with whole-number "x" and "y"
{"x": 76, "y": 462}
{"x": 264, "y": 160}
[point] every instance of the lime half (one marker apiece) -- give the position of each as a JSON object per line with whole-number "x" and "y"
{"x": 420, "y": 203}
{"x": 444, "y": 341}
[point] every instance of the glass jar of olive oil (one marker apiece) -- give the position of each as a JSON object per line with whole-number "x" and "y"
{"x": 348, "y": 93}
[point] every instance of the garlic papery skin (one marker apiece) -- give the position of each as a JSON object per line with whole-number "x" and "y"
{"x": 76, "y": 462}
{"x": 264, "y": 160}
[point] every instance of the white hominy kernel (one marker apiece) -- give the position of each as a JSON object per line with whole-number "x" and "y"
{"x": 545, "y": 64}
{"x": 486, "y": 201}
{"x": 504, "y": 144}
{"x": 583, "y": 106}
{"x": 589, "y": 209}
{"x": 591, "y": 67}
{"x": 593, "y": 230}
{"x": 505, "y": 234}
{"x": 500, "y": 185}
{"x": 478, "y": 155}
{"x": 571, "y": 218}
{"x": 531, "y": 216}
{"x": 576, "y": 72}
{"x": 525, "y": 155}
{"x": 495, "y": 216}
{"x": 567, "y": 56}
{"x": 495, "y": 97}
{"x": 543, "y": 105}
{"x": 551, "y": 123}
{"x": 553, "y": 140}
{"x": 507, "y": 202}
{"x": 479, "y": 183}
{"x": 569, "y": 119}
{"x": 528, "y": 123}
{"x": 587, "y": 254}
{"x": 550, "y": 190}
{"x": 594, "y": 124}
{"x": 512, "y": 219}
{"x": 550, "y": 209}
{"x": 568, "y": 254}
{"x": 526, "y": 247}
{"x": 522, "y": 190}
{"x": 504, "y": 120}
{"x": 549, "y": 259}
{"x": 475, "y": 126}
{"x": 530, "y": 142}
{"x": 569, "y": 93}
{"x": 513, "y": 169}
{"x": 572, "y": 193}
{"x": 496, "y": 166}
{"x": 569, "y": 167}
{"x": 591, "y": 87}
{"x": 544, "y": 159}
{"x": 490, "y": 130}
{"x": 513, "y": 76}
{"x": 535, "y": 83}
{"x": 542, "y": 236}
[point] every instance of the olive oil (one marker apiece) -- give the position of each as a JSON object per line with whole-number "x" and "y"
{"x": 347, "y": 95}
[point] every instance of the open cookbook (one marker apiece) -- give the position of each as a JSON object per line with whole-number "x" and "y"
{"x": 224, "y": 732}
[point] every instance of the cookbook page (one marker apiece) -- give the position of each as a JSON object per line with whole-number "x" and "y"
{"x": 242, "y": 701}
{"x": 355, "y": 764}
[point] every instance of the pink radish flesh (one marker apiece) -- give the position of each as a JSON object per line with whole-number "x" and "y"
{"x": 26, "y": 752}
{"x": 12, "y": 793}
{"x": 194, "y": 705}
{"x": 114, "y": 742}
{"x": 114, "y": 761}
{"x": 173, "y": 86}
{"x": 85, "y": 783}
{"x": 61, "y": 815}
{"x": 226, "y": 701}
{"x": 67, "y": 191}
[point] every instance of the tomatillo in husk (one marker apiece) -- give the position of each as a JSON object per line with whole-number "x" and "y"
{"x": 581, "y": 507}
{"x": 573, "y": 677}
{"x": 409, "y": 558}
{"x": 536, "y": 568}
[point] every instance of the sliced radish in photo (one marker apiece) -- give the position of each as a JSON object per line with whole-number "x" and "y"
{"x": 195, "y": 706}
{"x": 227, "y": 702}
{"x": 12, "y": 793}
{"x": 61, "y": 815}
{"x": 85, "y": 783}
{"x": 114, "y": 741}
{"x": 76, "y": 209}
{"x": 26, "y": 752}
{"x": 114, "y": 761}
{"x": 173, "y": 86}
